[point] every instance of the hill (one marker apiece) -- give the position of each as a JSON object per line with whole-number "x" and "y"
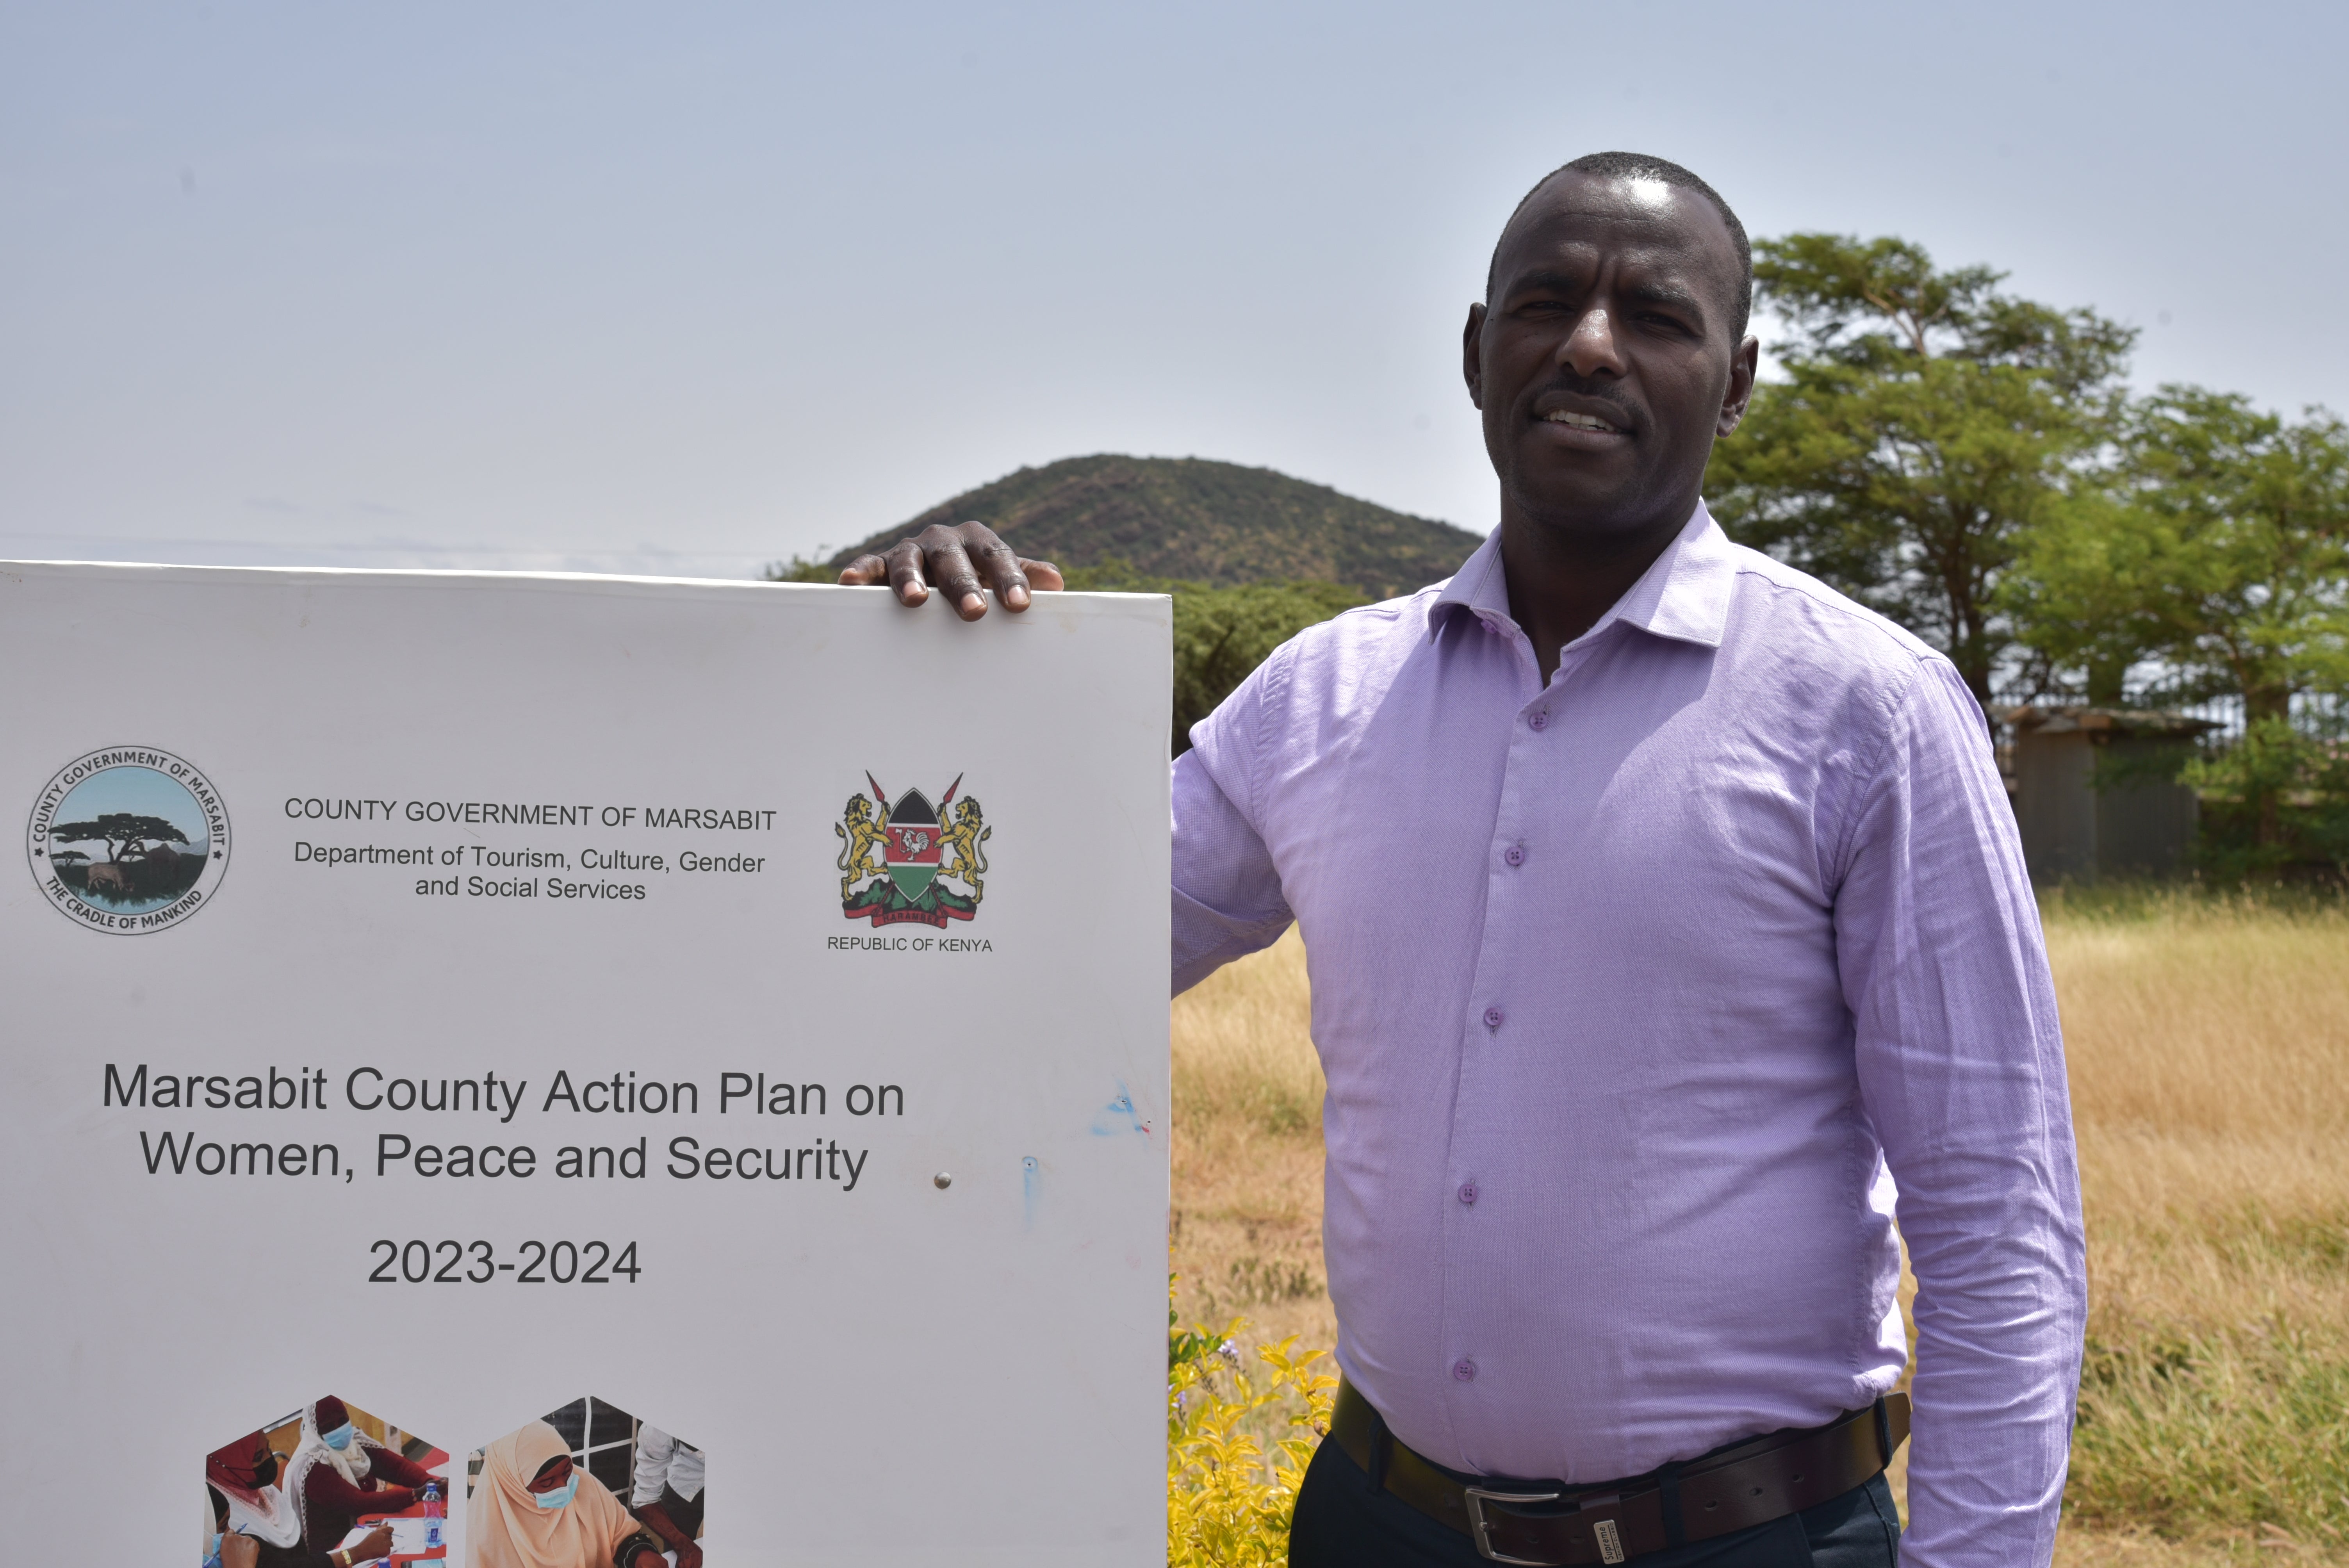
{"x": 1204, "y": 522}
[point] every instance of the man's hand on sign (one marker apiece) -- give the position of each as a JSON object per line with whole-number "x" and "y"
{"x": 962, "y": 561}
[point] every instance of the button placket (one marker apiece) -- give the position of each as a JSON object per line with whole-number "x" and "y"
{"x": 1485, "y": 1075}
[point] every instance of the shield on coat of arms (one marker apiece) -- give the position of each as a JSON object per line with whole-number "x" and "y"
{"x": 914, "y": 842}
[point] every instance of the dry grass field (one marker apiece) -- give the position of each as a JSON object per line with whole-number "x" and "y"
{"x": 2209, "y": 1054}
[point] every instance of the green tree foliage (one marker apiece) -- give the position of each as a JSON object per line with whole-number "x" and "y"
{"x": 2216, "y": 544}
{"x": 1222, "y": 633}
{"x": 2276, "y": 799}
{"x": 800, "y": 569}
{"x": 127, "y": 834}
{"x": 1924, "y": 423}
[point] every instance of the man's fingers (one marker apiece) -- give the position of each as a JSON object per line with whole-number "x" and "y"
{"x": 964, "y": 563}
{"x": 946, "y": 555}
{"x": 1001, "y": 567}
{"x": 905, "y": 576}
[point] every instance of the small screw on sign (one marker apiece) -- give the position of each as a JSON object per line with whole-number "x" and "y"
{"x": 942, "y": 1180}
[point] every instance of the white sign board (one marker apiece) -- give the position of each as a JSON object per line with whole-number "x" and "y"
{"x": 541, "y": 1012}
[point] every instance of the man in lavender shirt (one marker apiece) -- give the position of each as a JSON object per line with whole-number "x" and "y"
{"x": 1664, "y": 910}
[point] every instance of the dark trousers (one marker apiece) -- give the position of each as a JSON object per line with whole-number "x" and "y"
{"x": 1341, "y": 1523}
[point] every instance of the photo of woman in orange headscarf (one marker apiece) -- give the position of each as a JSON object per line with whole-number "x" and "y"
{"x": 533, "y": 1507}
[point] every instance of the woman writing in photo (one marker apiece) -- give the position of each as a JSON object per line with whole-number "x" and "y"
{"x": 531, "y": 1507}
{"x": 257, "y": 1523}
{"x": 338, "y": 1473}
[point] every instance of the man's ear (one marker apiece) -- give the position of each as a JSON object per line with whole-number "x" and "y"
{"x": 1472, "y": 355}
{"x": 1742, "y": 367}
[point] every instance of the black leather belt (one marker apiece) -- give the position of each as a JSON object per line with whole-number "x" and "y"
{"x": 1549, "y": 1524}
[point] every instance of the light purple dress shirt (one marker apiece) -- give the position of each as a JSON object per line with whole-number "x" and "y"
{"x": 1635, "y": 991}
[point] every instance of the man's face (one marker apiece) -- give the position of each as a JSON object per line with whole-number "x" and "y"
{"x": 1603, "y": 361}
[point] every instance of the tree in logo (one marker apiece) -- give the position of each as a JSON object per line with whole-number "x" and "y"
{"x": 920, "y": 853}
{"x": 138, "y": 860}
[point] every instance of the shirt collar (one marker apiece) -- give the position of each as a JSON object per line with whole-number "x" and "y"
{"x": 1684, "y": 595}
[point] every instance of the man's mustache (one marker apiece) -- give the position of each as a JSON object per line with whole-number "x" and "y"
{"x": 1593, "y": 391}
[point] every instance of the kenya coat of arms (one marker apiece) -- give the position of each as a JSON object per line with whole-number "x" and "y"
{"x": 921, "y": 849}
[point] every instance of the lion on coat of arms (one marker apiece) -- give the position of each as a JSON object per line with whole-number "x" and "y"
{"x": 963, "y": 841}
{"x": 861, "y": 833}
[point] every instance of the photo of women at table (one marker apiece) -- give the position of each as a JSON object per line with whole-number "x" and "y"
{"x": 324, "y": 1487}
{"x": 589, "y": 1486}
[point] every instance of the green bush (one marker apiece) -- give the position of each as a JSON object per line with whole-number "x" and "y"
{"x": 1221, "y": 634}
{"x": 800, "y": 569}
{"x": 2275, "y": 802}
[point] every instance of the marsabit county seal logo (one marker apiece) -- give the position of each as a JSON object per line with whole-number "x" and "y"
{"x": 921, "y": 847}
{"x": 129, "y": 840}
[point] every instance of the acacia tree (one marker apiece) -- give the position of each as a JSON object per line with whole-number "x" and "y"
{"x": 1924, "y": 423}
{"x": 2218, "y": 545}
{"x": 125, "y": 833}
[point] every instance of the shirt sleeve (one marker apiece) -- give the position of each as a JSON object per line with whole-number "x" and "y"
{"x": 397, "y": 1470}
{"x": 1961, "y": 1066}
{"x": 325, "y": 1485}
{"x": 655, "y": 1449}
{"x": 1228, "y": 897}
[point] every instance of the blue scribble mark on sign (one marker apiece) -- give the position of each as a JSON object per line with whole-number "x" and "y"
{"x": 1031, "y": 1181}
{"x": 1119, "y": 1117}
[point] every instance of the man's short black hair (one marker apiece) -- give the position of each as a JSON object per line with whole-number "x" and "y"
{"x": 1640, "y": 165}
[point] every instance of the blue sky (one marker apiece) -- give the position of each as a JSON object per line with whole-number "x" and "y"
{"x": 686, "y": 288}
{"x": 141, "y": 790}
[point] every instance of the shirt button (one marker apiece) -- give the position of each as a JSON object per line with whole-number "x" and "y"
{"x": 1468, "y": 1191}
{"x": 1464, "y": 1371}
{"x": 1492, "y": 1017}
{"x": 1514, "y": 854}
{"x": 1540, "y": 720}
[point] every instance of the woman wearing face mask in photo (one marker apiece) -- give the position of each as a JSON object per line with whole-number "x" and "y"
{"x": 338, "y": 1473}
{"x": 255, "y": 1524}
{"x": 533, "y": 1507}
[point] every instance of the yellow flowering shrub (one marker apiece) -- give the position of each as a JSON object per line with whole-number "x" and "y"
{"x": 1228, "y": 1502}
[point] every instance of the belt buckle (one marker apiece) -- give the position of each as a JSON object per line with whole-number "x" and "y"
{"x": 1477, "y": 1498}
